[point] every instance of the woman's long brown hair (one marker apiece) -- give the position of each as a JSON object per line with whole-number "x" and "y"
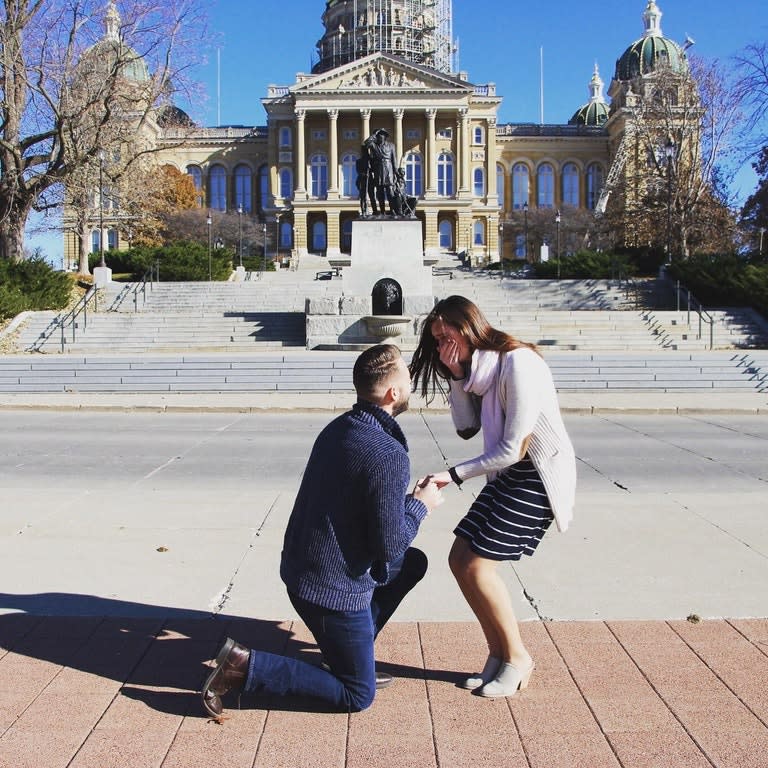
{"x": 465, "y": 316}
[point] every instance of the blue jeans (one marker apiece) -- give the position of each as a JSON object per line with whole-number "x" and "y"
{"x": 345, "y": 639}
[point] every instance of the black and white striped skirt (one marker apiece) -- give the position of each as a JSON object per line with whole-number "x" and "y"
{"x": 509, "y": 517}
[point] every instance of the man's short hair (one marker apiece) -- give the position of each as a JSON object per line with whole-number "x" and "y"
{"x": 372, "y": 368}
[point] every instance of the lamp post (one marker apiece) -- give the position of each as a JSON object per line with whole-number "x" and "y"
{"x": 525, "y": 225}
{"x": 669, "y": 151}
{"x": 209, "y": 221}
{"x": 101, "y": 209}
{"x": 501, "y": 248}
{"x": 760, "y": 249}
{"x": 557, "y": 227}
{"x": 264, "y": 255}
{"x": 240, "y": 232}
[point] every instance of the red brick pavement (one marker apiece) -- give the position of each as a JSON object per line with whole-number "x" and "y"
{"x": 96, "y": 693}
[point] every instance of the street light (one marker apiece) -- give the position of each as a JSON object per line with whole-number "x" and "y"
{"x": 760, "y": 249}
{"x": 240, "y": 231}
{"x": 669, "y": 151}
{"x": 557, "y": 224}
{"x": 264, "y": 255}
{"x": 101, "y": 208}
{"x": 525, "y": 219}
{"x": 209, "y": 221}
{"x": 501, "y": 247}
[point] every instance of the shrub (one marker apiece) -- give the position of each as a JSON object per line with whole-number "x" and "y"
{"x": 724, "y": 280}
{"x": 583, "y": 265}
{"x": 32, "y": 285}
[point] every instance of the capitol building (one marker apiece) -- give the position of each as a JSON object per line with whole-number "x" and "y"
{"x": 388, "y": 64}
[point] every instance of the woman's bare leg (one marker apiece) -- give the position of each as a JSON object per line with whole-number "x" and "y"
{"x": 489, "y": 599}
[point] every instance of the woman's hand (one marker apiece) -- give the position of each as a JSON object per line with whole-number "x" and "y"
{"x": 441, "y": 479}
{"x": 449, "y": 357}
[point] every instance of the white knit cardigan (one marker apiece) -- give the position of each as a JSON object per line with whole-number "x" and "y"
{"x": 528, "y": 398}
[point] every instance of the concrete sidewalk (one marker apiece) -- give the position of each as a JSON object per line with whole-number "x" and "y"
{"x": 587, "y": 402}
{"x": 132, "y": 543}
{"x": 110, "y": 692}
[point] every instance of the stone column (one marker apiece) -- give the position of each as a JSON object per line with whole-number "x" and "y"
{"x": 431, "y": 164}
{"x": 464, "y": 141}
{"x": 333, "y": 134}
{"x": 300, "y": 244}
{"x": 490, "y": 165}
{"x": 398, "y": 113}
{"x": 301, "y": 159}
{"x": 332, "y": 234}
{"x": 366, "y": 115}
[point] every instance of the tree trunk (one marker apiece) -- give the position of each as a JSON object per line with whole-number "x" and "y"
{"x": 82, "y": 250}
{"x": 12, "y": 237}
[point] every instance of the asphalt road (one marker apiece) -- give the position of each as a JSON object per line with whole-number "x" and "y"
{"x": 182, "y": 514}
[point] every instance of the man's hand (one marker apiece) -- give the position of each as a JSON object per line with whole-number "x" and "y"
{"x": 427, "y": 491}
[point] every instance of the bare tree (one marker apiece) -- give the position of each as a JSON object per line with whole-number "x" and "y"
{"x": 752, "y": 67}
{"x": 76, "y": 80}
{"x": 685, "y": 129}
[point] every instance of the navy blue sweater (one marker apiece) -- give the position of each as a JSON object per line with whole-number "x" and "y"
{"x": 352, "y": 516}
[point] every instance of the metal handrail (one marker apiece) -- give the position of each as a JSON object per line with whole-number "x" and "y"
{"x": 698, "y": 308}
{"x": 152, "y": 274}
{"x": 69, "y": 319}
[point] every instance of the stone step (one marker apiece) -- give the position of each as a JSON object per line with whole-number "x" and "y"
{"x": 330, "y": 372}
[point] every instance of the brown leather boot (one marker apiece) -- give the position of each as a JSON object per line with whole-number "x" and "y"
{"x": 229, "y": 673}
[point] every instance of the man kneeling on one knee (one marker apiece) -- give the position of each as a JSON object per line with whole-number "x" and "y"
{"x": 347, "y": 561}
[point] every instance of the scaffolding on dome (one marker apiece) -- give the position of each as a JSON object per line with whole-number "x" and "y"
{"x": 419, "y": 31}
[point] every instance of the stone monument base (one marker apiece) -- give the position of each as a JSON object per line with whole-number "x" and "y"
{"x": 387, "y": 259}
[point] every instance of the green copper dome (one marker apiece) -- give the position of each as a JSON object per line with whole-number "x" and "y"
{"x": 652, "y": 51}
{"x": 595, "y": 111}
{"x": 590, "y": 114}
{"x": 649, "y": 54}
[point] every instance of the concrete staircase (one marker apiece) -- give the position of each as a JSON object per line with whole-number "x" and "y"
{"x": 332, "y": 372}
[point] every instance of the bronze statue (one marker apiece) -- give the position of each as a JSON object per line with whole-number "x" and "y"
{"x": 382, "y": 163}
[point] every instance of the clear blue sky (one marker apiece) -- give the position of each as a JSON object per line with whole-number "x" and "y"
{"x": 254, "y": 44}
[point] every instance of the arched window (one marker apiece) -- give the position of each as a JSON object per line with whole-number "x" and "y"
{"x": 571, "y": 185}
{"x": 445, "y": 175}
{"x": 478, "y": 182}
{"x": 197, "y": 179}
{"x": 286, "y": 183}
{"x": 318, "y": 236}
{"x": 349, "y": 175}
{"x": 346, "y": 236}
{"x": 286, "y": 137}
{"x": 545, "y": 186}
{"x": 263, "y": 187}
{"x": 594, "y": 185}
{"x": 243, "y": 199}
{"x": 477, "y": 135}
{"x": 413, "y": 183}
{"x": 520, "y": 246}
{"x": 95, "y": 241}
{"x": 520, "y": 185}
{"x": 286, "y": 234}
{"x": 500, "y": 179}
{"x": 318, "y": 169}
{"x": 446, "y": 235}
{"x": 217, "y": 188}
{"x": 111, "y": 239}
{"x": 478, "y": 233}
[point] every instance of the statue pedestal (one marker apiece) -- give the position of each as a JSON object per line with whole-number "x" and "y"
{"x": 389, "y": 248}
{"x": 383, "y": 251}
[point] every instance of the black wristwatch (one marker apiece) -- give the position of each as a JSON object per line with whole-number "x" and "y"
{"x": 456, "y": 479}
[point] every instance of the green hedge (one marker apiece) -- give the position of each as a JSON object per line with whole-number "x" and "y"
{"x": 32, "y": 285}
{"x": 724, "y": 280}
{"x": 585, "y": 265}
{"x": 180, "y": 261}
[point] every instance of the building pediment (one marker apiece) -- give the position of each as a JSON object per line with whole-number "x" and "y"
{"x": 380, "y": 73}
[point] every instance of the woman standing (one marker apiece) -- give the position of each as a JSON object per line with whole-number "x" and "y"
{"x": 502, "y": 386}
